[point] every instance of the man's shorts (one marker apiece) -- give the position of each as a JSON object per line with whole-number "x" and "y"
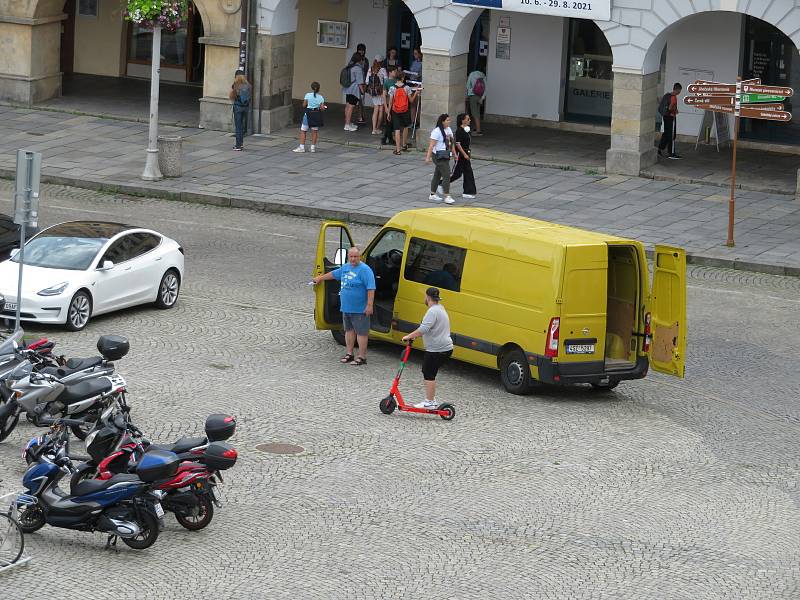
{"x": 431, "y": 363}
{"x": 475, "y": 106}
{"x": 352, "y": 99}
{"x": 401, "y": 120}
{"x": 357, "y": 321}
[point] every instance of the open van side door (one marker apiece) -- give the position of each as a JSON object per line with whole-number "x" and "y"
{"x": 668, "y": 311}
{"x": 332, "y": 245}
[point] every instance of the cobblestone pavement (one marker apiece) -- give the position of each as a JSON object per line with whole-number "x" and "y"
{"x": 371, "y": 185}
{"x": 663, "y": 489}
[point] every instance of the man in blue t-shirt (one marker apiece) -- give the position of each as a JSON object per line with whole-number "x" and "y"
{"x": 356, "y": 296}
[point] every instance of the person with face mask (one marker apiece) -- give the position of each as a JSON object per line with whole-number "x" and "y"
{"x": 464, "y": 157}
{"x": 435, "y": 333}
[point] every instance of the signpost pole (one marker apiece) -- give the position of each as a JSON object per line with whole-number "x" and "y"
{"x": 732, "y": 203}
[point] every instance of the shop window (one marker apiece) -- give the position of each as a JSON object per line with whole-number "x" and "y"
{"x": 771, "y": 56}
{"x": 590, "y": 77}
{"x": 431, "y": 263}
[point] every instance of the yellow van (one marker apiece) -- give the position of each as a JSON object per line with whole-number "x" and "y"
{"x": 541, "y": 303}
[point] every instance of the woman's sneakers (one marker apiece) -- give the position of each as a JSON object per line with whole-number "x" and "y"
{"x": 427, "y": 404}
{"x": 448, "y": 199}
{"x": 300, "y": 149}
{"x": 468, "y": 196}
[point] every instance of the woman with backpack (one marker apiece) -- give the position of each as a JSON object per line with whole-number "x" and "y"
{"x": 439, "y": 150}
{"x": 240, "y": 95}
{"x": 399, "y": 111}
{"x": 351, "y": 78}
{"x": 377, "y": 76}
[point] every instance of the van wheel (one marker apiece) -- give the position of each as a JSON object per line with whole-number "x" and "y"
{"x": 338, "y": 335}
{"x": 515, "y": 373}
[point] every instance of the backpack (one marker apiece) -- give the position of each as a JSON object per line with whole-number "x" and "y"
{"x": 375, "y": 87}
{"x": 479, "y": 87}
{"x": 346, "y": 77}
{"x": 243, "y": 96}
{"x": 400, "y": 103}
{"x": 663, "y": 106}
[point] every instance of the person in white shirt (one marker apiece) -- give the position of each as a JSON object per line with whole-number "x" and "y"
{"x": 439, "y": 150}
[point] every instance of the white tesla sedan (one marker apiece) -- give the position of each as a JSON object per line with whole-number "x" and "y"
{"x": 79, "y": 269}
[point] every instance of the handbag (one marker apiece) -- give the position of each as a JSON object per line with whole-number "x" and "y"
{"x": 442, "y": 155}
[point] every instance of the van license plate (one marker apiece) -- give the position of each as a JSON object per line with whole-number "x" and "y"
{"x": 580, "y": 349}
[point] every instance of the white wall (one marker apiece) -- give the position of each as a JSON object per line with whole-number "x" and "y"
{"x": 531, "y": 81}
{"x": 708, "y": 43}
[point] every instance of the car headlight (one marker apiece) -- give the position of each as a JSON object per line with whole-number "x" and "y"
{"x": 53, "y": 290}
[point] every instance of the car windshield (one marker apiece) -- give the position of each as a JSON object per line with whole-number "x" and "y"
{"x": 62, "y": 252}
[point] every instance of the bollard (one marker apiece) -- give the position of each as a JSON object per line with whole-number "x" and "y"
{"x": 169, "y": 155}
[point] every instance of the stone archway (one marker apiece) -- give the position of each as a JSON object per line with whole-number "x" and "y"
{"x": 30, "y": 40}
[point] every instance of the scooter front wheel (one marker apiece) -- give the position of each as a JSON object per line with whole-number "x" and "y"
{"x": 388, "y": 405}
{"x": 31, "y": 518}
{"x": 450, "y": 411}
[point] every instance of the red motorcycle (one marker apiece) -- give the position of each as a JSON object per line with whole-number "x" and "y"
{"x": 118, "y": 446}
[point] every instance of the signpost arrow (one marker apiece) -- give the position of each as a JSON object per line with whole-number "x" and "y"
{"x": 753, "y": 112}
{"x": 786, "y": 92}
{"x": 752, "y": 98}
{"x": 706, "y": 100}
{"x": 714, "y": 88}
{"x": 776, "y": 106}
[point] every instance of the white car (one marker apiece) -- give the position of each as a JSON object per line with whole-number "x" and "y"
{"x": 79, "y": 269}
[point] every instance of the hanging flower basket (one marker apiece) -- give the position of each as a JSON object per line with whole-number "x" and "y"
{"x": 170, "y": 15}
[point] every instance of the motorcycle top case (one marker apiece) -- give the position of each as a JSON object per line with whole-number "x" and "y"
{"x": 113, "y": 347}
{"x": 220, "y": 456}
{"x": 157, "y": 464}
{"x": 219, "y": 427}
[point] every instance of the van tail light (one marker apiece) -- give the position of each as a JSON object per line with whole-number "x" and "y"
{"x": 551, "y": 345}
{"x": 646, "y": 347}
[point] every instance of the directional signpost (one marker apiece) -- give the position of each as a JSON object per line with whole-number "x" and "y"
{"x": 743, "y": 99}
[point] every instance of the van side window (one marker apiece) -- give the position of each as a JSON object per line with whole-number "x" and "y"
{"x": 435, "y": 264}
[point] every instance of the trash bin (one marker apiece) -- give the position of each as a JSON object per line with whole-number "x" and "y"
{"x": 169, "y": 155}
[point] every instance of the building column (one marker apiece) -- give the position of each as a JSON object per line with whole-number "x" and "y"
{"x": 221, "y": 60}
{"x": 444, "y": 81}
{"x": 633, "y": 123}
{"x": 30, "y": 58}
{"x": 274, "y": 71}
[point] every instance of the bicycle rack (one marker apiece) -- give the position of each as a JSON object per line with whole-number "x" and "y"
{"x": 8, "y": 506}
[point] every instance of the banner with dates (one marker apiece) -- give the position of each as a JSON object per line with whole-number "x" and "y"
{"x": 593, "y": 9}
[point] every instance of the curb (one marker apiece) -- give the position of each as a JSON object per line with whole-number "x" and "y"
{"x": 295, "y": 210}
{"x": 745, "y": 187}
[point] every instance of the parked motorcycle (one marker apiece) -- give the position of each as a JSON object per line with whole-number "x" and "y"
{"x": 124, "y": 506}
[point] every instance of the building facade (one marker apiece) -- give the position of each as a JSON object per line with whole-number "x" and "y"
{"x": 599, "y": 66}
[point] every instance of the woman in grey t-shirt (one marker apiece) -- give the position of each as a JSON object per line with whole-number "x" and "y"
{"x": 435, "y": 333}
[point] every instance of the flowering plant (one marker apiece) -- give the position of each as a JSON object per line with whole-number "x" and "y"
{"x": 170, "y": 15}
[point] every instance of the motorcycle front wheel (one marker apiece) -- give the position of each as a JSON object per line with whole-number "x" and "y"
{"x": 31, "y": 518}
{"x": 148, "y": 533}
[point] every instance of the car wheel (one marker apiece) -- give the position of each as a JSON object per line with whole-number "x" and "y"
{"x": 168, "y": 290}
{"x": 515, "y": 372}
{"x": 79, "y": 311}
{"x": 338, "y": 335}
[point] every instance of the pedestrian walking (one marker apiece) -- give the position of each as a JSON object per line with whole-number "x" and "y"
{"x": 364, "y": 64}
{"x": 352, "y": 81}
{"x": 400, "y": 100}
{"x": 391, "y": 79}
{"x": 240, "y": 96}
{"x": 356, "y": 298}
{"x": 435, "y": 333}
{"x": 439, "y": 150}
{"x": 392, "y": 59}
{"x": 463, "y": 156}
{"x": 375, "y": 89}
{"x": 313, "y": 105}
{"x": 668, "y": 109}
{"x": 476, "y": 96}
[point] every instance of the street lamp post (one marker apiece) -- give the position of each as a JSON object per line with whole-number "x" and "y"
{"x": 151, "y": 169}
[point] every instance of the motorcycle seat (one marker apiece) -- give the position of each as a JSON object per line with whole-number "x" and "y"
{"x": 186, "y": 443}
{"x": 91, "y": 486}
{"x": 84, "y": 390}
{"x": 73, "y": 366}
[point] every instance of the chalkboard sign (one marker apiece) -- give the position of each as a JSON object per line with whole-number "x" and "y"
{"x": 719, "y": 121}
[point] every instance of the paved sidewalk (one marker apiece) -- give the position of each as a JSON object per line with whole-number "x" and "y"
{"x": 354, "y": 183}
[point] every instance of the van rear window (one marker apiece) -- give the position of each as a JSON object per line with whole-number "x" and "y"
{"x": 435, "y": 264}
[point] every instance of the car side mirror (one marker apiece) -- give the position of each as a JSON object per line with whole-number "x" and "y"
{"x": 106, "y": 266}
{"x": 14, "y": 252}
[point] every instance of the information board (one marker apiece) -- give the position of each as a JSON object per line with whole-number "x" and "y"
{"x": 599, "y": 10}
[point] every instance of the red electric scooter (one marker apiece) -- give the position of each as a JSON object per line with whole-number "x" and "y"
{"x": 395, "y": 399}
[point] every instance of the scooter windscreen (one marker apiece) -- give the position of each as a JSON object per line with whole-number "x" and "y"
{"x": 10, "y": 344}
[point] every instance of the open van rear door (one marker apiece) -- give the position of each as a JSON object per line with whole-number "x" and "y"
{"x": 332, "y": 245}
{"x": 668, "y": 311}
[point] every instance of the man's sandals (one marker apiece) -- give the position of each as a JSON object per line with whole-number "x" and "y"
{"x": 355, "y": 360}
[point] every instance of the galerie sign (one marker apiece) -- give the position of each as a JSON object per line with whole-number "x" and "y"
{"x": 597, "y": 10}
